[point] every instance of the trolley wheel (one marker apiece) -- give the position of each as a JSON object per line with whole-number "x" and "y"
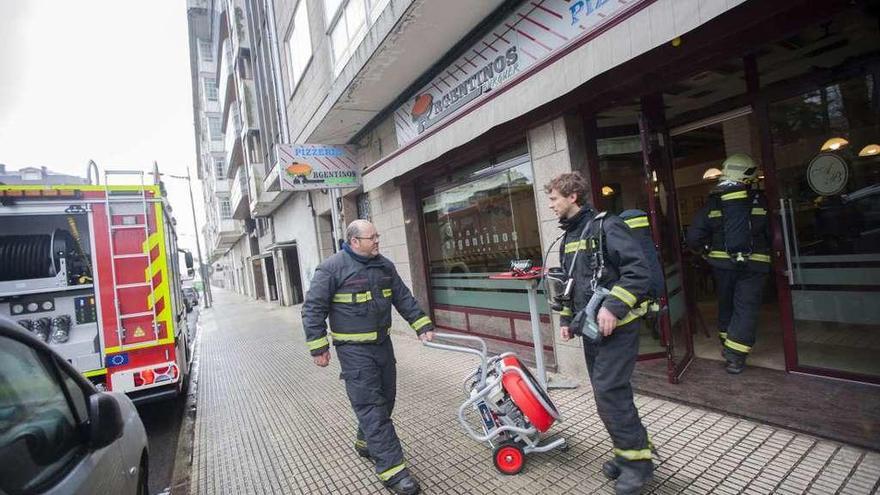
{"x": 509, "y": 458}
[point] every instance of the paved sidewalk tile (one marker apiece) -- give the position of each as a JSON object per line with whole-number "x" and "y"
{"x": 270, "y": 421}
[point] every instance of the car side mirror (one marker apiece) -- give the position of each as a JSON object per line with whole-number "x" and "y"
{"x": 105, "y": 420}
{"x": 188, "y": 259}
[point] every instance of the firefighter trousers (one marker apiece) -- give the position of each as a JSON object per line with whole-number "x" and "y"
{"x": 739, "y": 303}
{"x": 370, "y": 375}
{"x": 610, "y": 365}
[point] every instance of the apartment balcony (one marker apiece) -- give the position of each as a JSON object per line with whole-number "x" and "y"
{"x": 225, "y": 77}
{"x": 263, "y": 202}
{"x": 221, "y": 186}
{"x": 229, "y": 231}
{"x": 247, "y": 106}
{"x": 238, "y": 26}
{"x": 233, "y": 147}
{"x": 238, "y": 196}
{"x": 215, "y": 145}
{"x": 272, "y": 181}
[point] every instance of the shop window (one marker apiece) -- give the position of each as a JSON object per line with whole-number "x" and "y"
{"x": 480, "y": 226}
{"x": 826, "y": 145}
{"x": 474, "y": 225}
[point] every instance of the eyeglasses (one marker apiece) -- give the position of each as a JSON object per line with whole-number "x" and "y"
{"x": 374, "y": 238}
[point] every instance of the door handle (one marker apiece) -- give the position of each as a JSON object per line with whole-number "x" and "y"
{"x": 785, "y": 239}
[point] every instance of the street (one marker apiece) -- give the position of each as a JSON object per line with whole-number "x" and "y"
{"x": 269, "y": 421}
{"x": 162, "y": 421}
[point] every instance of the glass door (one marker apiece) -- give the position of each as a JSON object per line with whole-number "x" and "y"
{"x": 634, "y": 173}
{"x": 826, "y": 145}
{"x": 662, "y": 198}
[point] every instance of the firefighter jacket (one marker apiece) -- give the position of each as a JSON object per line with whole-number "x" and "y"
{"x": 357, "y": 293}
{"x": 732, "y": 229}
{"x": 625, "y": 271}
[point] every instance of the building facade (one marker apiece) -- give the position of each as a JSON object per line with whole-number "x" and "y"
{"x": 35, "y": 175}
{"x": 462, "y": 111}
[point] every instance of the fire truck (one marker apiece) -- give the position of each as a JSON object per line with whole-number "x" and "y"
{"x": 93, "y": 270}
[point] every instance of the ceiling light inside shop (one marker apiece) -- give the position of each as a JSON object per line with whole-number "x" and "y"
{"x": 711, "y": 174}
{"x": 870, "y": 150}
{"x": 834, "y": 144}
{"x": 607, "y": 191}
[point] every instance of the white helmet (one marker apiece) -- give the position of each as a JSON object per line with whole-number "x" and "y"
{"x": 739, "y": 167}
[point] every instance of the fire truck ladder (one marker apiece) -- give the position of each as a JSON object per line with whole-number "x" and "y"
{"x": 136, "y": 196}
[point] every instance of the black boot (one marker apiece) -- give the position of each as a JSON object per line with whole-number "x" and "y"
{"x": 360, "y": 447}
{"x": 406, "y": 485}
{"x": 634, "y": 475}
{"x": 611, "y": 469}
{"x": 735, "y": 365}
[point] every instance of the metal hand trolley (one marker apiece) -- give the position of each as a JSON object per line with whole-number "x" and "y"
{"x": 514, "y": 409}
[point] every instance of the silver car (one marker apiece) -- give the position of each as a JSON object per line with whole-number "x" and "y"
{"x": 58, "y": 434}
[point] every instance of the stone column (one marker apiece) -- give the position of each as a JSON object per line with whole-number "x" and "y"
{"x": 555, "y": 148}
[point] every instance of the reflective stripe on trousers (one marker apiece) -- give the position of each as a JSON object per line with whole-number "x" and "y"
{"x": 610, "y": 365}
{"x": 370, "y": 375}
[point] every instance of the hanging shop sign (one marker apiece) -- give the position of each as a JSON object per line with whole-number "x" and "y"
{"x": 530, "y": 34}
{"x": 303, "y": 167}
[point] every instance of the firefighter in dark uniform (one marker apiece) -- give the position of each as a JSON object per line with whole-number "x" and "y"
{"x": 732, "y": 232}
{"x": 356, "y": 288}
{"x": 610, "y": 363}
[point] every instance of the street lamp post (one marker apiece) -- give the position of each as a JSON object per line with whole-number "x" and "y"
{"x": 202, "y": 268}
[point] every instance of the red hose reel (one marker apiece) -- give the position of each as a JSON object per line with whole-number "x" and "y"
{"x": 537, "y": 407}
{"x": 513, "y": 407}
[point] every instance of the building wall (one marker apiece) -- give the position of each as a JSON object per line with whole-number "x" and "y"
{"x": 657, "y": 23}
{"x": 293, "y": 222}
{"x": 555, "y": 148}
{"x": 303, "y": 100}
{"x": 398, "y": 227}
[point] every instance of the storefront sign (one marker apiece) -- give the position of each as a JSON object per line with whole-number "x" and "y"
{"x": 827, "y": 174}
{"x": 316, "y": 166}
{"x": 533, "y": 32}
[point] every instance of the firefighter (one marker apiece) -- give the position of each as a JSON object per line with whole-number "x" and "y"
{"x": 640, "y": 226}
{"x": 619, "y": 265}
{"x": 356, "y": 288}
{"x": 732, "y": 232}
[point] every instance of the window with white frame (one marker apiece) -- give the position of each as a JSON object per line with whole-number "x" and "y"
{"x": 214, "y": 128}
{"x": 205, "y": 51}
{"x": 225, "y": 208}
{"x": 220, "y": 168}
{"x": 299, "y": 44}
{"x": 348, "y": 22}
{"x": 210, "y": 88}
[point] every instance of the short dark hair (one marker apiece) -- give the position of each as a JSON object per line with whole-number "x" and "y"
{"x": 568, "y": 184}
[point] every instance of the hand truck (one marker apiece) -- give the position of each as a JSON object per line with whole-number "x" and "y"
{"x": 514, "y": 409}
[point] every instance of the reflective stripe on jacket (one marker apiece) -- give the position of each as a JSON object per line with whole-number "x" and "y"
{"x": 357, "y": 298}
{"x": 734, "y": 220}
{"x": 626, "y": 272}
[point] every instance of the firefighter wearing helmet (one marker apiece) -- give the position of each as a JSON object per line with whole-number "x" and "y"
{"x": 732, "y": 232}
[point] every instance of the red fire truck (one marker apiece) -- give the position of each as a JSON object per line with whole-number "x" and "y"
{"x": 93, "y": 270}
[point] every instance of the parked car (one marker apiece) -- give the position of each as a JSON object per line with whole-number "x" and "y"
{"x": 58, "y": 434}
{"x": 191, "y": 296}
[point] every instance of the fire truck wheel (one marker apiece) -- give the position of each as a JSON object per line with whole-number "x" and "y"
{"x": 509, "y": 458}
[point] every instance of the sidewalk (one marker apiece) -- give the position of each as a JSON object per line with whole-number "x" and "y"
{"x": 270, "y": 421}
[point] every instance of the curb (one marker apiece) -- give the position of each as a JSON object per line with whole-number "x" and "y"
{"x": 183, "y": 457}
